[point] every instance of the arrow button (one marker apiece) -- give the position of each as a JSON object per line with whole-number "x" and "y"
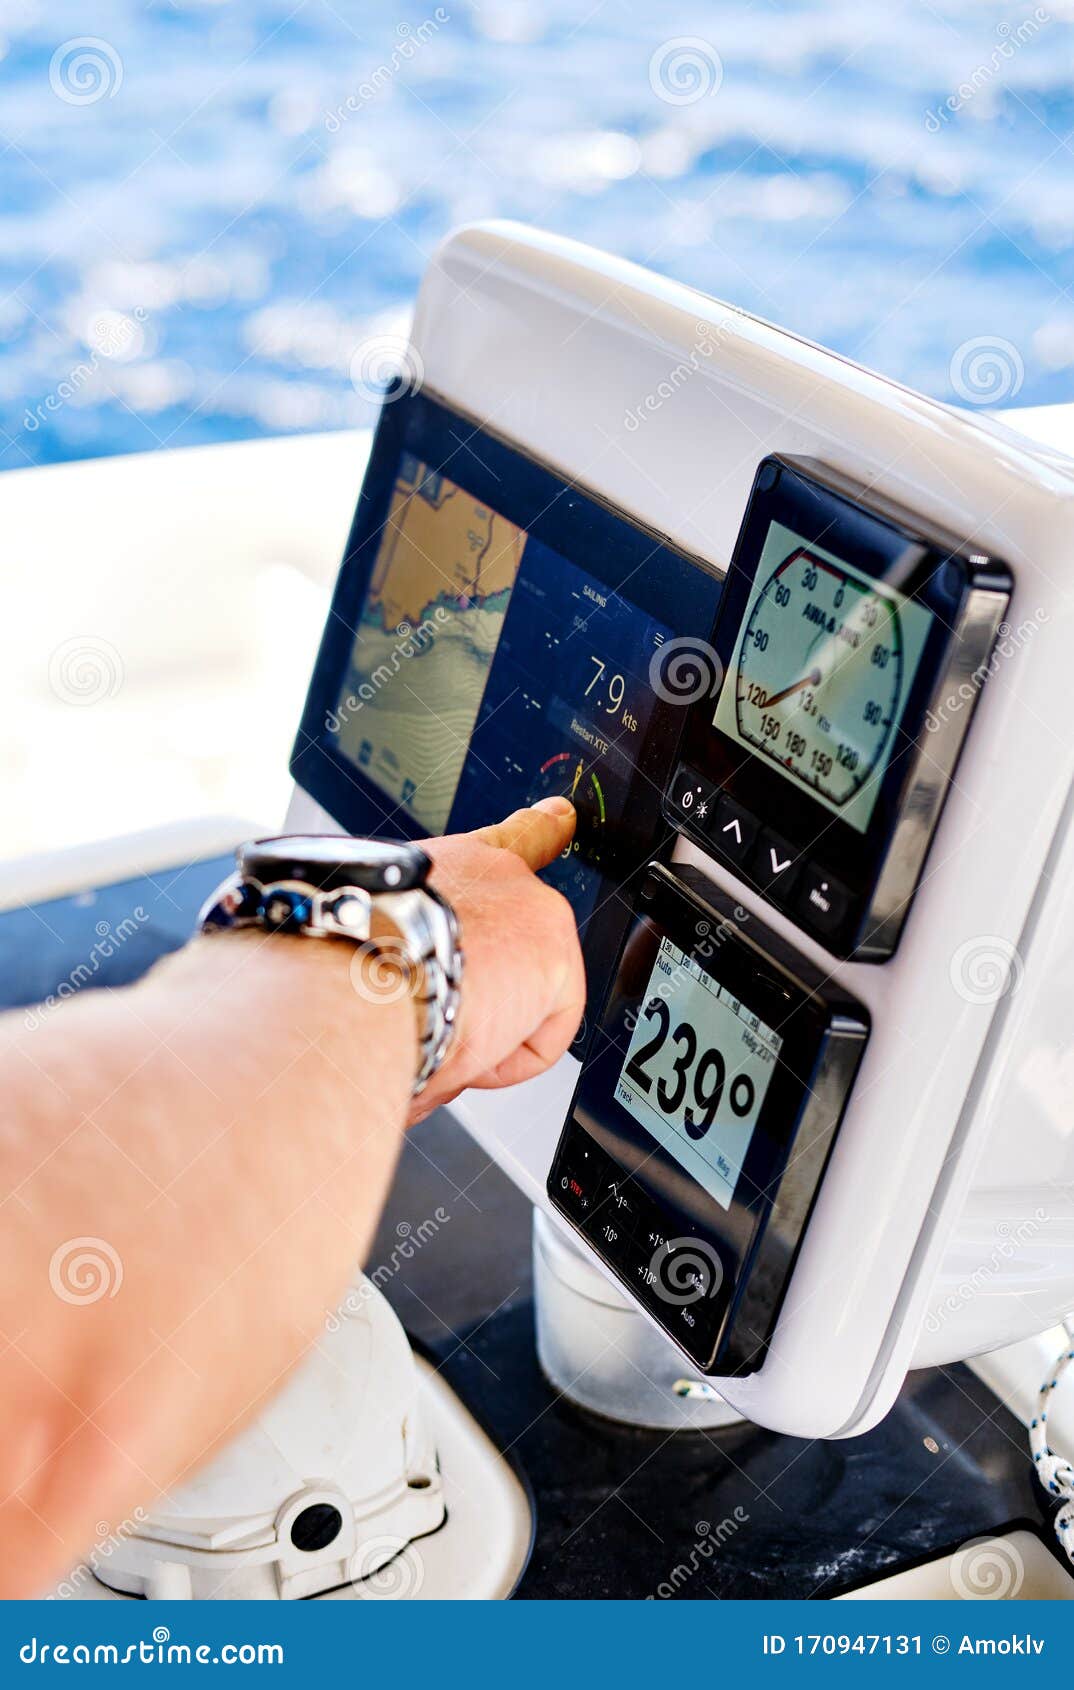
{"x": 733, "y": 830}
{"x": 774, "y": 866}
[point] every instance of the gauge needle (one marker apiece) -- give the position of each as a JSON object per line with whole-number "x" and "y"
{"x": 810, "y": 680}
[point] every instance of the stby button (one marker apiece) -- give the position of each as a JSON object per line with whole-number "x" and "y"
{"x": 575, "y": 1192}
{"x": 692, "y": 798}
{"x": 579, "y": 1177}
{"x": 733, "y": 830}
{"x": 823, "y": 902}
{"x": 775, "y": 868}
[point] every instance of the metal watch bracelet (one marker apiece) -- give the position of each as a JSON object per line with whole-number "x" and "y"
{"x": 423, "y": 943}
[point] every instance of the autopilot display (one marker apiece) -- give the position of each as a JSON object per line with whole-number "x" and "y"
{"x": 704, "y": 1115}
{"x": 696, "y": 1070}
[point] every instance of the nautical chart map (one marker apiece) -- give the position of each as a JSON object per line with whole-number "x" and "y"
{"x": 424, "y": 646}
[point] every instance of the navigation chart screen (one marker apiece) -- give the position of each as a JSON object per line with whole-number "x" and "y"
{"x": 424, "y": 646}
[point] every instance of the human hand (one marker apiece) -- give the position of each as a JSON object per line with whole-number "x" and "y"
{"x": 523, "y": 984}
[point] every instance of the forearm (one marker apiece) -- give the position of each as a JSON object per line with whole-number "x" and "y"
{"x": 225, "y": 1133}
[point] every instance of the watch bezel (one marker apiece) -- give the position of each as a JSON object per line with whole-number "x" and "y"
{"x": 331, "y": 862}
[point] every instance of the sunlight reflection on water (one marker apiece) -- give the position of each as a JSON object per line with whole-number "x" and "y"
{"x": 255, "y": 190}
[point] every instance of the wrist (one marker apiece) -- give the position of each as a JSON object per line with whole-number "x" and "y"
{"x": 280, "y": 992}
{"x": 372, "y": 893}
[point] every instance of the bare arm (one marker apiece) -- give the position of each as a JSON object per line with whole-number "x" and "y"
{"x": 223, "y": 1134}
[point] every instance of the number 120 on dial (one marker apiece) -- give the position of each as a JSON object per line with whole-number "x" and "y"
{"x": 696, "y": 1071}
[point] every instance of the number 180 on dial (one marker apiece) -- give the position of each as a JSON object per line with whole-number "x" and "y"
{"x": 696, "y": 1071}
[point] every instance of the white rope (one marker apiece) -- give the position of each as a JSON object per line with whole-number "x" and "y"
{"x": 1054, "y": 1472}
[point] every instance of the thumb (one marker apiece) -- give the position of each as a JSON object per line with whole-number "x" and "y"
{"x": 537, "y": 835}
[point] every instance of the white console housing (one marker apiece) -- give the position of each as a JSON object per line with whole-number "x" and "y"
{"x": 944, "y": 1225}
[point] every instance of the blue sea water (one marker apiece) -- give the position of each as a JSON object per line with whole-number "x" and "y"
{"x": 207, "y": 207}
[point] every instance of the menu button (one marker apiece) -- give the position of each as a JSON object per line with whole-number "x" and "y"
{"x": 822, "y": 901}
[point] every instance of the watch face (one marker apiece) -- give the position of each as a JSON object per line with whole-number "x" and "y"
{"x": 332, "y": 860}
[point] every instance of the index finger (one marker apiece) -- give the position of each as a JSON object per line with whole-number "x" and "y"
{"x": 537, "y": 835}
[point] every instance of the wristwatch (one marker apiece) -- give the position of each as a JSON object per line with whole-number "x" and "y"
{"x": 324, "y": 886}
